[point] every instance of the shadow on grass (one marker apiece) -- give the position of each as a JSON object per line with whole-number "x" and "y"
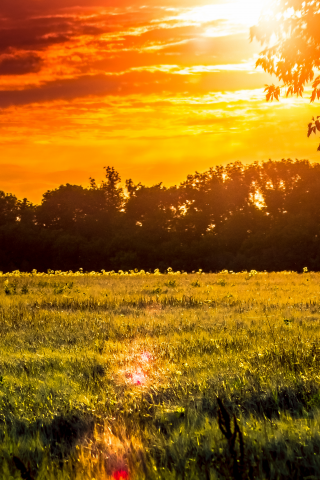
{"x": 298, "y": 399}
{"x": 32, "y": 443}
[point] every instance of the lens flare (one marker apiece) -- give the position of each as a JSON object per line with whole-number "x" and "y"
{"x": 145, "y": 357}
{"x": 120, "y": 475}
{"x": 138, "y": 377}
{"x": 137, "y": 373}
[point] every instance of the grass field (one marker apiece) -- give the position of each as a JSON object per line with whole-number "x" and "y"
{"x": 119, "y": 376}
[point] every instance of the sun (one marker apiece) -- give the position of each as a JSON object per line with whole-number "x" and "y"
{"x": 233, "y": 12}
{"x": 248, "y": 12}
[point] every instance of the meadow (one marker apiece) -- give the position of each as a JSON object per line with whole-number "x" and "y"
{"x": 159, "y": 376}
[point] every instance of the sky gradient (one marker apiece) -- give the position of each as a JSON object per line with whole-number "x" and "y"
{"x": 157, "y": 90}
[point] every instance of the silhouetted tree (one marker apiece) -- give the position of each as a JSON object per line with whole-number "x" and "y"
{"x": 254, "y": 216}
{"x": 87, "y": 211}
{"x": 149, "y": 209}
{"x": 9, "y": 209}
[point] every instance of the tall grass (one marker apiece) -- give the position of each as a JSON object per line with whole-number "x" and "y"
{"x": 106, "y": 376}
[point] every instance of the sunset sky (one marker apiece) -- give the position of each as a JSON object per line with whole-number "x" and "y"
{"x": 157, "y": 90}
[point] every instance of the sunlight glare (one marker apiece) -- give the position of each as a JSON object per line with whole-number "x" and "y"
{"x": 241, "y": 12}
{"x": 138, "y": 377}
{"x": 145, "y": 357}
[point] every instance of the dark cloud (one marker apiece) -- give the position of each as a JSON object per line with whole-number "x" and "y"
{"x": 22, "y": 8}
{"x": 130, "y": 83}
{"x": 40, "y": 31}
{"x": 18, "y": 8}
{"x": 20, "y": 64}
{"x": 69, "y": 89}
{"x": 39, "y": 34}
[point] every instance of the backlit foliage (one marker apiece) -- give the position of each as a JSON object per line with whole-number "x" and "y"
{"x": 290, "y": 31}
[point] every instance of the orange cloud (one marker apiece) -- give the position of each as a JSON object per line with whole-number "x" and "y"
{"x": 157, "y": 90}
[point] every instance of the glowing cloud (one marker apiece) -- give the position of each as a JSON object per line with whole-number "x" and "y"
{"x": 143, "y": 85}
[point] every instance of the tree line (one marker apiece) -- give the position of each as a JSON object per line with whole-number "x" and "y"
{"x": 262, "y": 216}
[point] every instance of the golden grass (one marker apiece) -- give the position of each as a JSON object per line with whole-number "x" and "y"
{"x": 102, "y": 374}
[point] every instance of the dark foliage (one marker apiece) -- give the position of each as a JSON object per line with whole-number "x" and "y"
{"x": 24, "y": 471}
{"x": 256, "y": 216}
{"x": 224, "y": 418}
